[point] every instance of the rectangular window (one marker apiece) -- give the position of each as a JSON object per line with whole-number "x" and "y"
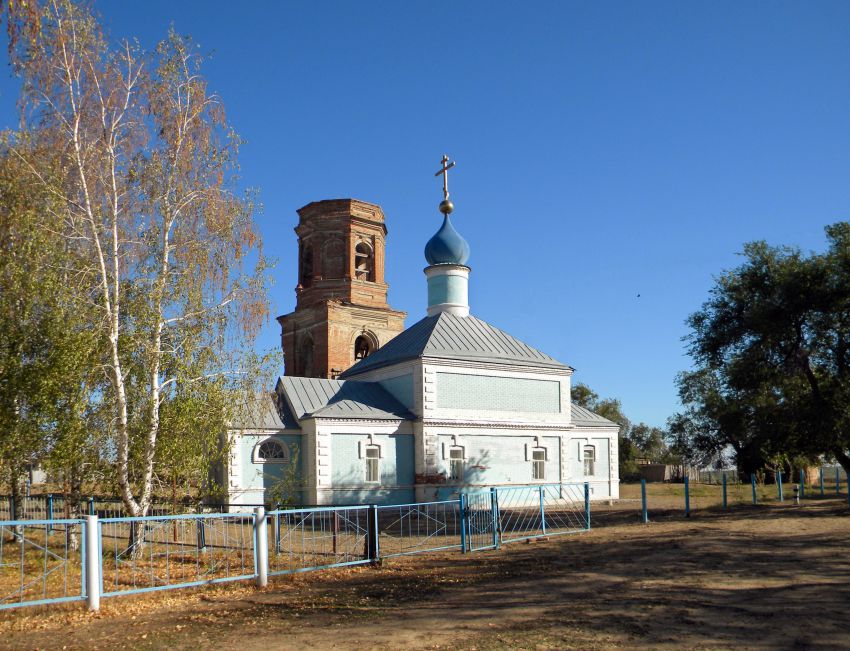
{"x": 456, "y": 464}
{"x": 538, "y": 463}
{"x": 589, "y": 461}
{"x": 373, "y": 470}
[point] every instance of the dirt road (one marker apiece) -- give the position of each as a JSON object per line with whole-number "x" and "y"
{"x": 768, "y": 577}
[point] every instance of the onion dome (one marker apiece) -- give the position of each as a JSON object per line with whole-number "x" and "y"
{"x": 447, "y": 246}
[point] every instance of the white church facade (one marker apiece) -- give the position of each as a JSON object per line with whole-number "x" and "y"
{"x": 450, "y": 404}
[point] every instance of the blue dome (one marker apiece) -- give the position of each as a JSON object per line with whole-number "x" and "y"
{"x": 447, "y": 246}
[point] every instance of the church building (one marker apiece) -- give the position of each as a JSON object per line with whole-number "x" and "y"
{"x": 369, "y": 412}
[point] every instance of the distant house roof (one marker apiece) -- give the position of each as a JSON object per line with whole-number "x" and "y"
{"x": 582, "y": 417}
{"x": 315, "y": 397}
{"x": 448, "y": 336}
{"x": 265, "y": 411}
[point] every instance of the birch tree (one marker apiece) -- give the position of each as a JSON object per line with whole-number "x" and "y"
{"x": 168, "y": 249}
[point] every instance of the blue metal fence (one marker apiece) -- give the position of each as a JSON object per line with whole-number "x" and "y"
{"x": 175, "y": 551}
{"x": 41, "y": 562}
{"x": 480, "y": 517}
{"x": 50, "y": 560}
{"x": 418, "y": 528}
{"x": 310, "y": 539}
{"x": 526, "y": 512}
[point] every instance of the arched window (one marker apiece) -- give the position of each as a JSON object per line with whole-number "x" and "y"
{"x": 306, "y": 267}
{"x": 271, "y": 451}
{"x": 364, "y": 262}
{"x": 363, "y": 347}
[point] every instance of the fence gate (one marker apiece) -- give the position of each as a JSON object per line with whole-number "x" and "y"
{"x": 480, "y": 521}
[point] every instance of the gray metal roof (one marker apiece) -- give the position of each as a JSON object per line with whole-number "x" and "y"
{"x": 315, "y": 397}
{"x": 585, "y": 418}
{"x": 265, "y": 411}
{"x": 454, "y": 337}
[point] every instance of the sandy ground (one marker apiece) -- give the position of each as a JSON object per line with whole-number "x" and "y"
{"x": 774, "y": 577}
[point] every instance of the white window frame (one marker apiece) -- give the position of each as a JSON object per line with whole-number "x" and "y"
{"x": 591, "y": 459}
{"x": 257, "y": 458}
{"x": 457, "y": 464}
{"x": 372, "y": 456}
{"x": 538, "y": 464}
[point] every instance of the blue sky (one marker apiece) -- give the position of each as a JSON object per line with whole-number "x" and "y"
{"x": 604, "y": 150}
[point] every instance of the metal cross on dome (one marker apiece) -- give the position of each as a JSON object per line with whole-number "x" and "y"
{"x": 444, "y": 170}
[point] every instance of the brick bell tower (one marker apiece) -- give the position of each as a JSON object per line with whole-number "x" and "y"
{"x": 341, "y": 313}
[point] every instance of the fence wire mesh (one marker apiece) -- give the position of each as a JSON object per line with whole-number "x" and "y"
{"x": 533, "y": 511}
{"x": 160, "y": 552}
{"x": 309, "y": 539}
{"x": 418, "y": 528}
{"x": 41, "y": 561}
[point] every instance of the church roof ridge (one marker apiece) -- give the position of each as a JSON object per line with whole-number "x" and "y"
{"x": 448, "y": 336}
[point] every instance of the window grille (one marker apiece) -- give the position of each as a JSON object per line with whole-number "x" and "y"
{"x": 271, "y": 451}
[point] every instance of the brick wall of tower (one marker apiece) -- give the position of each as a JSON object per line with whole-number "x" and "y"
{"x": 336, "y": 303}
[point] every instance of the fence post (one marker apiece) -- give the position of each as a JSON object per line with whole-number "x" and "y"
{"x": 837, "y": 483}
{"x": 202, "y": 534}
{"x": 542, "y": 512}
{"x": 644, "y": 515}
{"x": 49, "y": 511}
{"x": 587, "y": 505}
{"x": 92, "y": 561}
{"x": 802, "y": 484}
{"x": 725, "y": 503}
{"x": 261, "y": 547}
{"x": 13, "y": 508}
{"x": 821, "y": 482}
{"x": 91, "y": 506}
{"x": 494, "y": 514}
{"x": 779, "y": 485}
{"x": 463, "y": 516}
{"x": 753, "y": 484}
{"x": 372, "y": 549}
{"x": 687, "y": 496}
{"x": 276, "y": 526}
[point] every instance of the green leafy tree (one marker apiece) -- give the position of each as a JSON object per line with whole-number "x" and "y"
{"x": 47, "y": 348}
{"x": 772, "y": 353}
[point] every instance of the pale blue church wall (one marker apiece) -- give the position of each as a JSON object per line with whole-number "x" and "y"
{"x": 348, "y": 472}
{"x": 401, "y": 388}
{"x": 603, "y": 466}
{"x": 265, "y": 476}
{"x": 493, "y": 393}
{"x": 498, "y": 459}
{"x": 575, "y": 458}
